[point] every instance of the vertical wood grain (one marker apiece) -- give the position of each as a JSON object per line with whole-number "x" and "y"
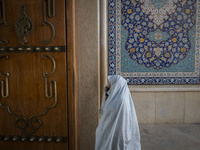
{"x": 26, "y": 81}
{"x": 72, "y": 75}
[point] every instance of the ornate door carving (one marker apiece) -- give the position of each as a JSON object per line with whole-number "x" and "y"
{"x": 33, "y": 76}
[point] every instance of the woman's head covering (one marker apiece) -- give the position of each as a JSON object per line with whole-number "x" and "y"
{"x": 118, "y": 128}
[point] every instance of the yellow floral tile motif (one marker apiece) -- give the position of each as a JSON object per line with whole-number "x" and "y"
{"x": 154, "y": 41}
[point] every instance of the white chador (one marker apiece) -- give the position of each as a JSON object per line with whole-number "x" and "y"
{"x": 118, "y": 128}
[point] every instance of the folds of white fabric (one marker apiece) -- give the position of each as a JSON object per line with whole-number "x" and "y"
{"x": 118, "y": 128}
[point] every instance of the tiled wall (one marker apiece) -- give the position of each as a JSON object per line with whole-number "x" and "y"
{"x": 154, "y": 42}
{"x": 167, "y": 107}
{"x": 151, "y": 107}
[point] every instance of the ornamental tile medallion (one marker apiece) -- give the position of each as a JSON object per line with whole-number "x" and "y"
{"x": 154, "y": 42}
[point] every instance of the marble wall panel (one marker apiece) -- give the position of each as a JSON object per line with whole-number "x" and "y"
{"x": 192, "y": 107}
{"x": 170, "y": 107}
{"x": 145, "y": 106}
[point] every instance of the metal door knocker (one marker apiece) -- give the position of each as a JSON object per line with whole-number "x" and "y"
{"x": 23, "y": 26}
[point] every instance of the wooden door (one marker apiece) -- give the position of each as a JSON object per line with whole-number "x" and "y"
{"x": 33, "y": 98}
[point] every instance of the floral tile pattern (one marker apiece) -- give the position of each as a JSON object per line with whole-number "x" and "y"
{"x": 154, "y": 41}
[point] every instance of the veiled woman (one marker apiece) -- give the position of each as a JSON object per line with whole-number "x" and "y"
{"x": 118, "y": 128}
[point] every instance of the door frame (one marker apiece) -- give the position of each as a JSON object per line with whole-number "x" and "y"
{"x": 72, "y": 81}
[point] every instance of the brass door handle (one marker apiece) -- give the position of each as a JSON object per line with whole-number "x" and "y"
{"x": 51, "y": 15}
{"x": 4, "y": 84}
{"x": 4, "y": 20}
{"x": 23, "y": 122}
{"x": 46, "y": 75}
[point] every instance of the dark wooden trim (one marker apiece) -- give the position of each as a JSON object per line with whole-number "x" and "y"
{"x": 33, "y": 49}
{"x": 17, "y": 138}
{"x": 72, "y": 75}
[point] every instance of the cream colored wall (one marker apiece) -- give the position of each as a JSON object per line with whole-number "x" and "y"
{"x": 167, "y": 107}
{"x": 88, "y": 71}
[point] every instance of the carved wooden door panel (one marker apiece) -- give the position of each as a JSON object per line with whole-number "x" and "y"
{"x": 33, "y": 96}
